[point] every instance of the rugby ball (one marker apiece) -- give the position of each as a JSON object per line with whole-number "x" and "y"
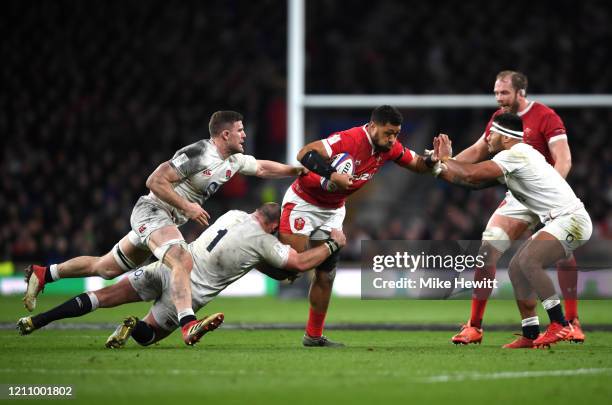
{"x": 343, "y": 163}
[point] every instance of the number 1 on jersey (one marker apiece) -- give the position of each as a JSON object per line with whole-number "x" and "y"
{"x": 220, "y": 233}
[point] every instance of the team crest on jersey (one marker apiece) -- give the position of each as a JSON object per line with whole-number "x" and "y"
{"x": 299, "y": 223}
{"x": 207, "y": 173}
{"x": 527, "y": 131}
{"x": 142, "y": 228}
{"x": 357, "y": 162}
{"x": 228, "y": 174}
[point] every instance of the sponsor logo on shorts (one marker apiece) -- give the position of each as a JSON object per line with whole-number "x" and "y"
{"x": 142, "y": 228}
{"x": 207, "y": 173}
{"x": 228, "y": 174}
{"x": 299, "y": 223}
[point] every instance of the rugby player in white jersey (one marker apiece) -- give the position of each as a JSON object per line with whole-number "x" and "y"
{"x": 236, "y": 243}
{"x": 178, "y": 188}
{"x": 545, "y": 131}
{"x": 543, "y": 191}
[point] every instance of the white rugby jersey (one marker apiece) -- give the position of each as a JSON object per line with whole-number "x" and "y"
{"x": 229, "y": 249}
{"x": 203, "y": 172}
{"x": 535, "y": 183}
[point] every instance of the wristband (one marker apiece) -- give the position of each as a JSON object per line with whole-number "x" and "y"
{"x": 332, "y": 245}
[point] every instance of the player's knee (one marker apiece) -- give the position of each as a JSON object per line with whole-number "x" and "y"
{"x": 496, "y": 238}
{"x": 180, "y": 257}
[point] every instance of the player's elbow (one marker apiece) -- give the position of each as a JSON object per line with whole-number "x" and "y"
{"x": 153, "y": 182}
{"x": 302, "y": 153}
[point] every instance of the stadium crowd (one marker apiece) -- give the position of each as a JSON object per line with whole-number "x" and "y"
{"x": 95, "y": 95}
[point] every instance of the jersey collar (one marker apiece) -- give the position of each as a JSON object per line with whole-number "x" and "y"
{"x": 369, "y": 139}
{"x": 526, "y": 110}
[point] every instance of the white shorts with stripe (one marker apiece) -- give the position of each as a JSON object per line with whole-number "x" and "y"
{"x": 302, "y": 218}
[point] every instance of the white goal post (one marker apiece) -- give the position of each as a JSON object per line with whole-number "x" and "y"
{"x": 298, "y": 100}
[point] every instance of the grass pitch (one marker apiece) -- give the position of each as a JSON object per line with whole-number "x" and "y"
{"x": 261, "y": 366}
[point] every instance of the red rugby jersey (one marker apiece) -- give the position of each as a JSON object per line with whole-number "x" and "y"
{"x": 541, "y": 124}
{"x": 358, "y": 144}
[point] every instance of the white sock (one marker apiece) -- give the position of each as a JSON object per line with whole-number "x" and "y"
{"x": 534, "y": 320}
{"x": 94, "y": 300}
{"x": 53, "y": 270}
{"x": 551, "y": 302}
{"x": 185, "y": 312}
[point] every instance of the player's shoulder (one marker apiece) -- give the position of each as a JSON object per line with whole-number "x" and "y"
{"x": 195, "y": 148}
{"x": 355, "y": 134}
{"x": 540, "y": 110}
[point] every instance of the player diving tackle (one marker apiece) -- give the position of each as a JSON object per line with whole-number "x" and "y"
{"x": 236, "y": 243}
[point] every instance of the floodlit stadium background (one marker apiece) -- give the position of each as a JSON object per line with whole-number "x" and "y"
{"x": 96, "y": 95}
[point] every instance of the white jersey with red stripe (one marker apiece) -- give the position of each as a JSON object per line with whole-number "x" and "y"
{"x": 541, "y": 127}
{"x": 356, "y": 142}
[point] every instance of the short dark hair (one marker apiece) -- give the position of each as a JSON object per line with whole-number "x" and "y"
{"x": 220, "y": 120}
{"x": 385, "y": 114}
{"x": 510, "y": 121}
{"x": 271, "y": 211}
{"x": 518, "y": 79}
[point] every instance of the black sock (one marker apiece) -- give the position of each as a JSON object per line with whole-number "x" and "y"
{"x": 48, "y": 278}
{"x": 556, "y": 315}
{"x": 143, "y": 333}
{"x": 186, "y": 319}
{"x": 531, "y": 331}
{"x": 76, "y": 306}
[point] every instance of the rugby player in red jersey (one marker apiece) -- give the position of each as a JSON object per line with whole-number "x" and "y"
{"x": 544, "y": 131}
{"x": 309, "y": 212}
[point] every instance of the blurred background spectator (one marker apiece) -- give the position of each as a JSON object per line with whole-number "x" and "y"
{"x": 96, "y": 94}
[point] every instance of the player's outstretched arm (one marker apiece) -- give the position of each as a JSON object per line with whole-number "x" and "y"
{"x": 160, "y": 183}
{"x": 476, "y": 176}
{"x": 313, "y": 257}
{"x": 274, "y": 170}
{"x": 477, "y": 152}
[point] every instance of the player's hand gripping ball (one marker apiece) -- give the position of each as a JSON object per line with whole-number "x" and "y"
{"x": 344, "y": 164}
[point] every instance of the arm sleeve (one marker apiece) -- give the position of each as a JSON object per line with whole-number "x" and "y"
{"x": 188, "y": 160}
{"x": 510, "y": 161}
{"x": 401, "y": 154}
{"x": 248, "y": 164}
{"x": 553, "y": 128}
{"x": 275, "y": 253}
{"x": 336, "y": 143}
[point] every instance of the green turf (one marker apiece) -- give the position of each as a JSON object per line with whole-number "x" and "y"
{"x": 270, "y": 367}
{"x": 268, "y": 309}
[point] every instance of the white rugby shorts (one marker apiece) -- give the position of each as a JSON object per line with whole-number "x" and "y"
{"x": 572, "y": 230}
{"x": 152, "y": 283}
{"x": 302, "y": 218}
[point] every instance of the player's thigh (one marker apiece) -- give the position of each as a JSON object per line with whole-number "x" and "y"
{"x": 168, "y": 245}
{"x": 123, "y": 257}
{"x": 540, "y": 251}
{"x": 512, "y": 227}
{"x": 298, "y": 242}
{"x": 117, "y": 294}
